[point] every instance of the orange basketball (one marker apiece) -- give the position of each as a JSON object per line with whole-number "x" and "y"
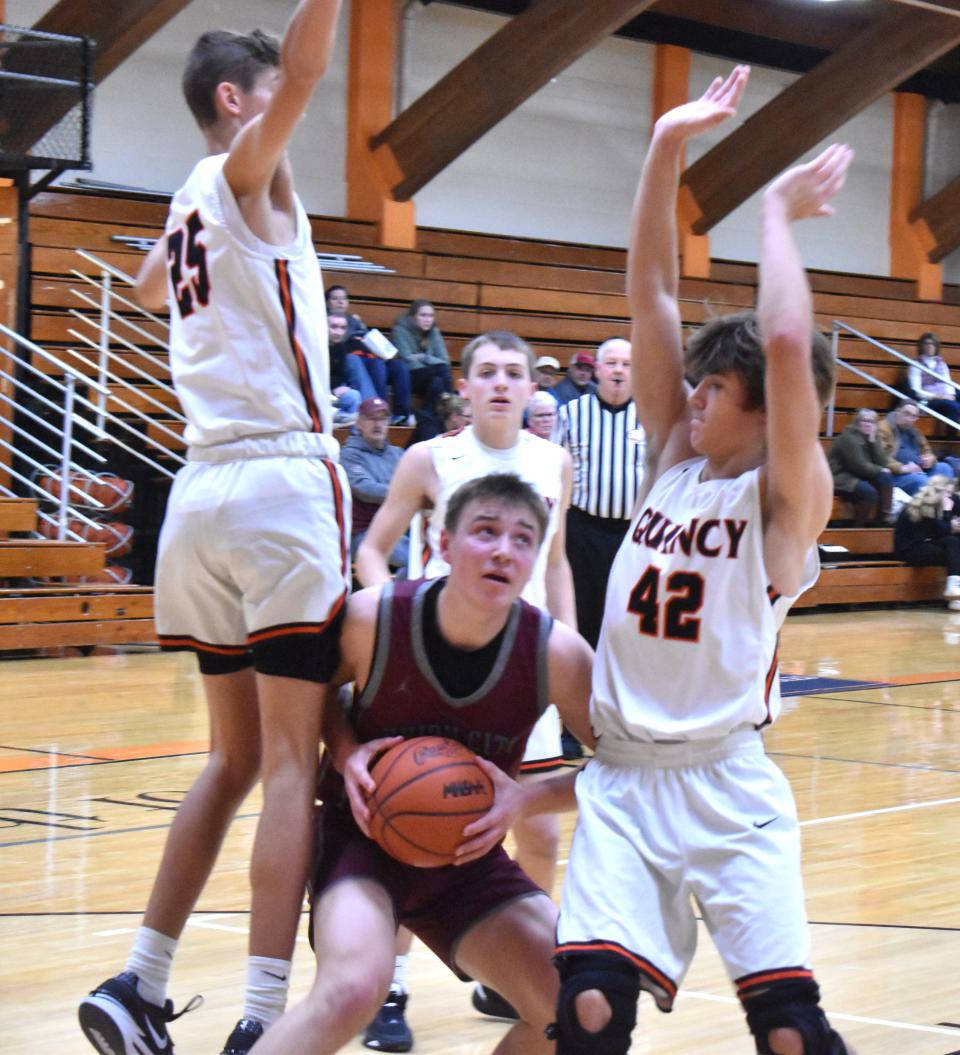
{"x": 428, "y": 790}
{"x": 115, "y": 536}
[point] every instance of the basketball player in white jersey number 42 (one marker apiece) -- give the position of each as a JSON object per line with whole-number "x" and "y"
{"x": 681, "y": 802}
{"x": 252, "y": 573}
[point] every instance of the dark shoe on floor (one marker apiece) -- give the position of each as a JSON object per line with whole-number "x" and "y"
{"x": 245, "y": 1034}
{"x": 489, "y": 1002}
{"x": 389, "y": 1030}
{"x": 118, "y": 1021}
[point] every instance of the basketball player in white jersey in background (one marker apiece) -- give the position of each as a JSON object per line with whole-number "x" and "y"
{"x": 497, "y": 379}
{"x": 681, "y": 801}
{"x": 252, "y": 573}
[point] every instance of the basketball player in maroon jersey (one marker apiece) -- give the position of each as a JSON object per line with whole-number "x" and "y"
{"x": 462, "y": 657}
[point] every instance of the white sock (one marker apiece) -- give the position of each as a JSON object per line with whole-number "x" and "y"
{"x": 267, "y": 983}
{"x": 151, "y": 959}
{"x": 399, "y": 983}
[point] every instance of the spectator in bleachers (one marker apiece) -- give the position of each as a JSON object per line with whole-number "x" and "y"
{"x": 859, "y": 466}
{"x": 384, "y": 374}
{"x": 421, "y": 346}
{"x": 926, "y": 533}
{"x": 936, "y": 391}
{"x": 369, "y": 462}
{"x": 909, "y": 455}
{"x": 547, "y": 373}
{"x": 542, "y": 416}
{"x": 455, "y": 412}
{"x": 349, "y": 383}
{"x": 338, "y": 300}
{"x": 578, "y": 380}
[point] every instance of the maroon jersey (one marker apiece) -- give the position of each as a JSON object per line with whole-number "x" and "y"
{"x": 403, "y": 695}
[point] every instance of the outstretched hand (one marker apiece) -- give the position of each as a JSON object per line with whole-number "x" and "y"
{"x": 717, "y": 103}
{"x": 483, "y": 834}
{"x": 806, "y": 190}
{"x": 357, "y": 780}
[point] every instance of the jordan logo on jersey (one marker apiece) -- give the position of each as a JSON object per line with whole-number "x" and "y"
{"x": 711, "y": 537}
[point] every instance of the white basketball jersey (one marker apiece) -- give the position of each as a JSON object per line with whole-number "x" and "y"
{"x": 460, "y": 456}
{"x": 248, "y": 327}
{"x": 688, "y": 648}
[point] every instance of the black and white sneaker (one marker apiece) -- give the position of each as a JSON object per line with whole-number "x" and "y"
{"x": 489, "y": 1002}
{"x": 118, "y": 1021}
{"x": 389, "y": 1030}
{"x": 245, "y": 1034}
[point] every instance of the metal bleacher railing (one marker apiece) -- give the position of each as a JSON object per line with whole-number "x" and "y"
{"x": 840, "y": 328}
{"x": 70, "y": 396}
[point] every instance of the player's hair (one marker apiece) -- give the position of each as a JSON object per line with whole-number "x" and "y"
{"x": 220, "y": 56}
{"x": 922, "y": 340}
{"x": 927, "y": 503}
{"x": 731, "y": 344}
{"x": 505, "y": 341}
{"x": 504, "y": 487}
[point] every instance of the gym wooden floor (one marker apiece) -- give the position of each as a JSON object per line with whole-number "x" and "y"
{"x": 96, "y": 752}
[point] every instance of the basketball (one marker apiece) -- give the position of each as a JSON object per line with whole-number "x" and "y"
{"x": 428, "y": 790}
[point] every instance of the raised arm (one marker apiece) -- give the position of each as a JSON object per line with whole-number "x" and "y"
{"x": 259, "y": 148}
{"x": 558, "y": 578}
{"x": 652, "y": 272}
{"x": 798, "y": 485}
{"x": 409, "y": 493}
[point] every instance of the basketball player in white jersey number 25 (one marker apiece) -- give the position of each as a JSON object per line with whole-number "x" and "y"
{"x": 252, "y": 573}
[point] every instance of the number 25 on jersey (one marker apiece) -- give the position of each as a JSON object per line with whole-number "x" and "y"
{"x": 187, "y": 260}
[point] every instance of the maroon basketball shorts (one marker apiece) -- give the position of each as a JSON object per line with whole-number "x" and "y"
{"x": 438, "y": 904}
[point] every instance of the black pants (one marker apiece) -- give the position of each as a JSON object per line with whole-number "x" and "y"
{"x": 944, "y": 552}
{"x": 592, "y": 543}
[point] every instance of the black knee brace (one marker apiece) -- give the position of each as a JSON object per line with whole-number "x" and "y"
{"x": 620, "y": 984}
{"x": 792, "y": 1005}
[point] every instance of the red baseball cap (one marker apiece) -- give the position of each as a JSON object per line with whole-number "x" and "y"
{"x": 583, "y": 359}
{"x": 374, "y": 407}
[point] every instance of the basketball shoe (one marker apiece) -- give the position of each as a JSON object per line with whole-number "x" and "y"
{"x": 389, "y": 1030}
{"x": 245, "y": 1034}
{"x": 489, "y": 1002}
{"x": 118, "y": 1021}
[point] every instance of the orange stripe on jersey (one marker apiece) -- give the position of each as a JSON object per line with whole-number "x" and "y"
{"x": 538, "y": 764}
{"x": 642, "y": 965}
{"x": 769, "y": 683}
{"x": 282, "y": 269}
{"x": 338, "y": 510}
{"x": 292, "y": 629}
{"x": 772, "y": 595}
{"x": 786, "y": 974}
{"x": 200, "y": 646}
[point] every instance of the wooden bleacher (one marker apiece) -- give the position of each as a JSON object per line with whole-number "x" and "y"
{"x": 36, "y": 616}
{"x": 560, "y": 296}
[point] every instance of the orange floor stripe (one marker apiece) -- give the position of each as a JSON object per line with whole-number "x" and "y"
{"x": 924, "y": 679}
{"x": 176, "y": 747}
{"x": 19, "y": 763}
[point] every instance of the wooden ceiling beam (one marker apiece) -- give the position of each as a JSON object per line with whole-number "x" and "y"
{"x": 117, "y": 27}
{"x": 491, "y": 83}
{"x": 884, "y": 55}
{"x": 937, "y": 222}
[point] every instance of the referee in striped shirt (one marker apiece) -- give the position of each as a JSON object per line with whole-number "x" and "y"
{"x": 600, "y": 431}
